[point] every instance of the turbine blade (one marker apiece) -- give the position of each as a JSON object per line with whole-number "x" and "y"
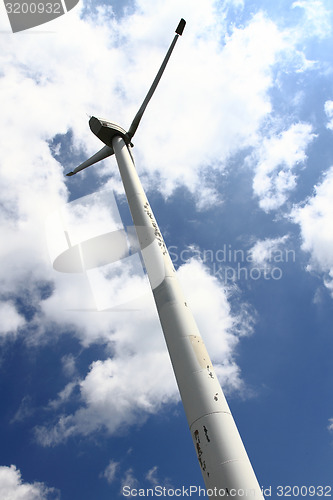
{"x": 138, "y": 116}
{"x": 100, "y": 155}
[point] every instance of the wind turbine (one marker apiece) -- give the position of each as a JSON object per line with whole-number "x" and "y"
{"x": 225, "y": 466}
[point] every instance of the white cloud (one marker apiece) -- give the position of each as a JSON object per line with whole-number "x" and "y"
{"x": 315, "y": 220}
{"x": 128, "y": 389}
{"x": 316, "y": 18}
{"x": 129, "y": 480}
{"x": 13, "y": 488}
{"x": 264, "y": 252}
{"x": 132, "y": 384}
{"x": 68, "y": 365}
{"x": 24, "y": 411}
{"x": 275, "y": 162}
{"x": 329, "y": 113}
{"x": 10, "y": 320}
{"x": 110, "y": 471}
{"x": 64, "y": 395}
{"x": 151, "y": 476}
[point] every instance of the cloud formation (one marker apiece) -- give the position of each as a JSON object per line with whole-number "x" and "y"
{"x": 110, "y": 471}
{"x": 275, "y": 163}
{"x": 264, "y": 252}
{"x": 10, "y": 320}
{"x": 315, "y": 221}
{"x": 12, "y": 487}
{"x": 316, "y": 22}
{"x": 330, "y": 426}
{"x": 329, "y": 113}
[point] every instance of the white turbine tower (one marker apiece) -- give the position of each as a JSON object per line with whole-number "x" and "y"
{"x": 224, "y": 463}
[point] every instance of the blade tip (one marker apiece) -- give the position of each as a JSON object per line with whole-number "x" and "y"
{"x": 180, "y": 27}
{"x": 70, "y": 174}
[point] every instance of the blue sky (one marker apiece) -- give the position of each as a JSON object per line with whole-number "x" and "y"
{"x": 235, "y": 153}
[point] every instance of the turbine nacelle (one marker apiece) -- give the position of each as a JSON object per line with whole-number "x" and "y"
{"x": 106, "y": 131}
